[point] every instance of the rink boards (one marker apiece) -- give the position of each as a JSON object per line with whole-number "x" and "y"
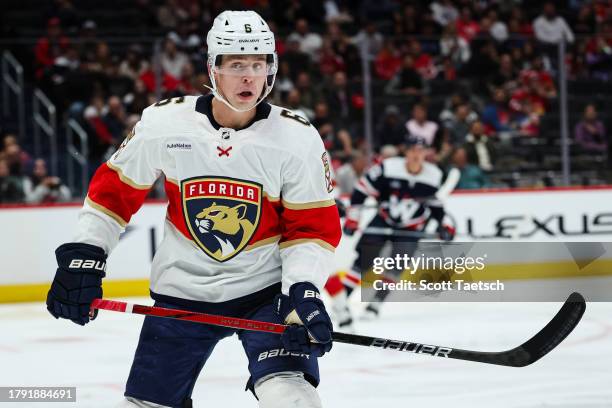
{"x": 30, "y": 235}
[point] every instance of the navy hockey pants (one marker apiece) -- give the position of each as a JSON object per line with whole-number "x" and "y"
{"x": 171, "y": 354}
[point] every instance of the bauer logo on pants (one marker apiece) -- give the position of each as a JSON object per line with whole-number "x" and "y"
{"x": 222, "y": 214}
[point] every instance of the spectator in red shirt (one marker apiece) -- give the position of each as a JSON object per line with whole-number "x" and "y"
{"x": 602, "y": 10}
{"x": 541, "y": 79}
{"x": 467, "y": 27}
{"x": 388, "y": 61}
{"x": 531, "y": 94}
{"x": 329, "y": 61}
{"x": 48, "y": 48}
{"x": 423, "y": 62}
{"x": 447, "y": 72}
{"x": 169, "y": 83}
{"x": 101, "y": 138}
{"x": 529, "y": 102}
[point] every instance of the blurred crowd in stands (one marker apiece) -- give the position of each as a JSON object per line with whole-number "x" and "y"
{"x": 24, "y": 179}
{"x": 469, "y": 77}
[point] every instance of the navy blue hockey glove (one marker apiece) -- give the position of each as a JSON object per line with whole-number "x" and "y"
{"x": 310, "y": 326}
{"x": 77, "y": 282}
{"x": 446, "y": 232}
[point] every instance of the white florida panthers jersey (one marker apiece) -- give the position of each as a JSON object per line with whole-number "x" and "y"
{"x": 247, "y": 208}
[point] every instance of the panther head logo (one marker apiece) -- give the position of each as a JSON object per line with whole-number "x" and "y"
{"x": 227, "y": 225}
{"x": 221, "y": 213}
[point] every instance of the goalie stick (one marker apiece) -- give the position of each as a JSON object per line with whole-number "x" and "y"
{"x": 527, "y": 353}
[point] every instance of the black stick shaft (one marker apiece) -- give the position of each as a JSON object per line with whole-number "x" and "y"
{"x": 527, "y": 353}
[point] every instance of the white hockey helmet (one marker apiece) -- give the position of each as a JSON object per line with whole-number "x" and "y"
{"x": 241, "y": 32}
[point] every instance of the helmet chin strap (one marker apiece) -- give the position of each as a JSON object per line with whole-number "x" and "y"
{"x": 220, "y": 97}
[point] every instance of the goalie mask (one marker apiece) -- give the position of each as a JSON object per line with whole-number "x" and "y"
{"x": 241, "y": 33}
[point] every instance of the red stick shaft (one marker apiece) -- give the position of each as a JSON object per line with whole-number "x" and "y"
{"x": 216, "y": 320}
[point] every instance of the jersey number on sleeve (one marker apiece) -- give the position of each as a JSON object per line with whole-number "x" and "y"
{"x": 179, "y": 99}
{"x": 288, "y": 114}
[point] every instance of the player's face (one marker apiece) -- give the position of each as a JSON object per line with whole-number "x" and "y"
{"x": 415, "y": 155}
{"x": 241, "y": 79}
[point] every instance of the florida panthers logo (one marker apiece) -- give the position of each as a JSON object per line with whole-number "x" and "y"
{"x": 222, "y": 214}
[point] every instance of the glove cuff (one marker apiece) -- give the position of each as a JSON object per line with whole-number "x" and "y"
{"x": 283, "y": 306}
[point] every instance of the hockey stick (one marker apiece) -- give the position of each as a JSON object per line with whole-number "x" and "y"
{"x": 399, "y": 233}
{"x": 215, "y": 320}
{"x": 527, "y": 353}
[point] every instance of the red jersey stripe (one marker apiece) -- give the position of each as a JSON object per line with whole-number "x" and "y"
{"x": 175, "y": 208}
{"x": 269, "y": 222}
{"x": 109, "y": 191}
{"x": 320, "y": 225}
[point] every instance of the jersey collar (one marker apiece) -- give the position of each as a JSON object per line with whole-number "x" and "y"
{"x": 204, "y": 106}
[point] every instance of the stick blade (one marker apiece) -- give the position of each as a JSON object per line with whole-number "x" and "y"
{"x": 550, "y": 336}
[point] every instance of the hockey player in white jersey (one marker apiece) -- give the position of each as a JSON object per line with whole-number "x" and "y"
{"x": 406, "y": 190}
{"x": 250, "y": 228}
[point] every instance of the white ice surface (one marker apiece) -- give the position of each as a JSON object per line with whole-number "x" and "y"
{"x": 37, "y": 350}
